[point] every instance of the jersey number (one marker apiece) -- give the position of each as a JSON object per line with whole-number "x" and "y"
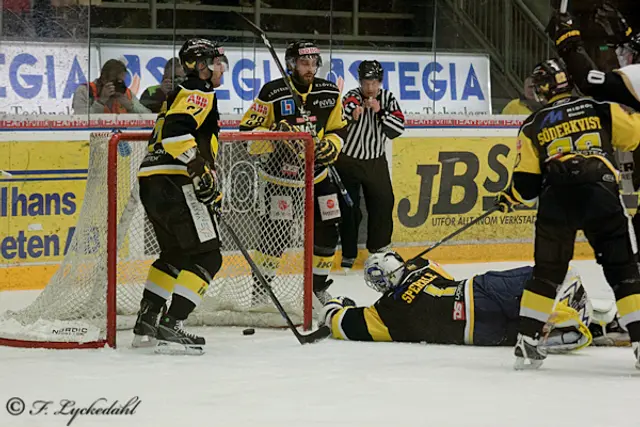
{"x": 437, "y": 292}
{"x": 565, "y": 145}
{"x": 254, "y": 120}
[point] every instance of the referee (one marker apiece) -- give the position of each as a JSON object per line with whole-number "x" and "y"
{"x": 374, "y": 116}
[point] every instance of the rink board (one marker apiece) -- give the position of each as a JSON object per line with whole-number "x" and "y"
{"x": 445, "y": 170}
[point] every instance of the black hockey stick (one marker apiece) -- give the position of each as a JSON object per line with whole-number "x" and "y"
{"x": 317, "y": 335}
{"x": 449, "y": 237}
{"x": 333, "y": 173}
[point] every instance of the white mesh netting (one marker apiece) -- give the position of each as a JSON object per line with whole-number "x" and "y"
{"x": 264, "y": 202}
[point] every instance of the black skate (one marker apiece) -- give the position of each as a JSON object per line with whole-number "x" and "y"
{"x": 609, "y": 335}
{"x": 322, "y": 294}
{"x": 173, "y": 339}
{"x": 144, "y": 331}
{"x": 347, "y": 264}
{"x": 528, "y": 354}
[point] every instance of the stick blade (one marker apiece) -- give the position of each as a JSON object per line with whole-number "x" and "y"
{"x": 315, "y": 336}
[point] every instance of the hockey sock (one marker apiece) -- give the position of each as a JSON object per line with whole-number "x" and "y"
{"x": 536, "y": 306}
{"x": 187, "y": 294}
{"x": 158, "y": 287}
{"x": 268, "y": 263}
{"x": 628, "y": 303}
{"x": 321, "y": 269}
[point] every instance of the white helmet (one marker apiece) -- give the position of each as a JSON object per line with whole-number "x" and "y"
{"x": 383, "y": 270}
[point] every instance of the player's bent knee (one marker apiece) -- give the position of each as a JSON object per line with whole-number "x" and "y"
{"x": 207, "y": 264}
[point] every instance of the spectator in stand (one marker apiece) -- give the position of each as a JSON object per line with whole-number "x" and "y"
{"x": 154, "y": 96}
{"x": 108, "y": 94}
{"x": 526, "y": 104}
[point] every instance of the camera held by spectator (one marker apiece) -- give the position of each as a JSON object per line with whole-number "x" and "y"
{"x": 108, "y": 94}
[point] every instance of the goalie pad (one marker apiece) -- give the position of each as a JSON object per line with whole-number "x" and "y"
{"x": 568, "y": 326}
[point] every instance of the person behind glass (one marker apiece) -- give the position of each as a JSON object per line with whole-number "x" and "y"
{"x": 154, "y": 96}
{"x": 374, "y": 116}
{"x": 108, "y": 94}
{"x": 526, "y": 103}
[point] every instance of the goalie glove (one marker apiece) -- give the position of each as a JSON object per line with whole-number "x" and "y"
{"x": 332, "y": 307}
{"x": 564, "y": 32}
{"x": 614, "y": 25}
{"x": 326, "y": 152}
{"x": 505, "y": 202}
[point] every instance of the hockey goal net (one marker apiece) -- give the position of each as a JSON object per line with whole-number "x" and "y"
{"x": 98, "y": 286}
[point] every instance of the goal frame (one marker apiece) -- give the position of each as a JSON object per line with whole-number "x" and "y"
{"x": 112, "y": 232}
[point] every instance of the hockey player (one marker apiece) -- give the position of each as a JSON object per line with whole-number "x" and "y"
{"x": 564, "y": 161}
{"x": 422, "y": 303}
{"x": 177, "y": 185}
{"x": 274, "y": 109}
{"x": 621, "y": 85}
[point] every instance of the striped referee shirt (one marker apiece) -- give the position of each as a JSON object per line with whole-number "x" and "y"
{"x": 367, "y": 136}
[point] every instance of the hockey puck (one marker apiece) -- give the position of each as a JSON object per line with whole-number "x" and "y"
{"x": 249, "y": 331}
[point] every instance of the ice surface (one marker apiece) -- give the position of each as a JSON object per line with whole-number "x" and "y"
{"x": 268, "y": 379}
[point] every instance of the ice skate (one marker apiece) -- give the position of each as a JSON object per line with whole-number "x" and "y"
{"x": 528, "y": 354}
{"x": 144, "y": 331}
{"x": 173, "y": 339}
{"x": 347, "y": 265}
{"x": 636, "y": 352}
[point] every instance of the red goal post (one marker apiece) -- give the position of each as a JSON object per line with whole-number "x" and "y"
{"x": 98, "y": 286}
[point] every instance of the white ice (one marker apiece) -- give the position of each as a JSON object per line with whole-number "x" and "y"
{"x": 268, "y": 379}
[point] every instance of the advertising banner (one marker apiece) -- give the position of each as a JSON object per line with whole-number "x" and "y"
{"x": 41, "y": 78}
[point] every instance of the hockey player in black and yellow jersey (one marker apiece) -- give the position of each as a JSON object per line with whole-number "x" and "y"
{"x": 564, "y": 162}
{"x": 177, "y": 183}
{"x": 422, "y": 303}
{"x": 275, "y": 109}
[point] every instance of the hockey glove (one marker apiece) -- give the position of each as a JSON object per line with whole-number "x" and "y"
{"x": 505, "y": 202}
{"x": 613, "y": 23}
{"x": 204, "y": 181}
{"x": 326, "y": 152}
{"x": 295, "y": 145}
{"x": 563, "y": 31}
{"x": 332, "y": 307}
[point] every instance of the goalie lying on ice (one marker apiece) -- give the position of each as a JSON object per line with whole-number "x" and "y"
{"x": 422, "y": 303}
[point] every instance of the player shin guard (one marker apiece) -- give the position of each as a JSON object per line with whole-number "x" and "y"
{"x": 628, "y": 303}
{"x": 535, "y": 307}
{"x": 157, "y": 290}
{"x": 322, "y": 264}
{"x": 187, "y": 294}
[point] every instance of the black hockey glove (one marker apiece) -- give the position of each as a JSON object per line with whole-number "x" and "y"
{"x": 614, "y": 25}
{"x": 564, "y": 32}
{"x": 505, "y": 202}
{"x": 331, "y": 307}
{"x": 284, "y": 126}
{"x": 204, "y": 182}
{"x": 326, "y": 152}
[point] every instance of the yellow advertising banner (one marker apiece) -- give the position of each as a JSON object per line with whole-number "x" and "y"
{"x": 39, "y": 206}
{"x": 442, "y": 183}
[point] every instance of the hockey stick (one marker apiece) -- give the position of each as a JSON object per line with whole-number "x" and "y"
{"x": 317, "y": 335}
{"x": 564, "y": 5}
{"x": 449, "y": 237}
{"x": 333, "y": 173}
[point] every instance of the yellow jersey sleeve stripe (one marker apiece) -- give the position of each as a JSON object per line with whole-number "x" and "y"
{"x": 375, "y": 326}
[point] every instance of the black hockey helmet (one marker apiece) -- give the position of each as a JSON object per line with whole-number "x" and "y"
{"x": 632, "y": 46}
{"x": 200, "y": 50}
{"x": 370, "y": 70}
{"x": 550, "y": 79}
{"x": 301, "y": 49}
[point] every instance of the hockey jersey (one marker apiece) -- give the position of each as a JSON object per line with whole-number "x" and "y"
{"x": 188, "y": 118}
{"x": 428, "y": 306}
{"x": 274, "y": 103}
{"x": 566, "y": 128}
